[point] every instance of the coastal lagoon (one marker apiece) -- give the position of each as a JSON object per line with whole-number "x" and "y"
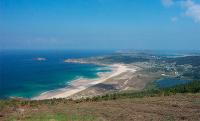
{"x": 170, "y": 82}
{"x": 29, "y": 73}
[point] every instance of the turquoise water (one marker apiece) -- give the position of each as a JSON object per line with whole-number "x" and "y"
{"x": 22, "y": 75}
{"x": 170, "y": 82}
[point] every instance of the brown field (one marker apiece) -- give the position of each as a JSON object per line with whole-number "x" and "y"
{"x": 168, "y": 108}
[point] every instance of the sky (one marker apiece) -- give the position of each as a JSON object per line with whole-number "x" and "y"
{"x": 100, "y": 24}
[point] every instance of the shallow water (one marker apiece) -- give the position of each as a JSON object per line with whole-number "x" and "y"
{"x": 22, "y": 75}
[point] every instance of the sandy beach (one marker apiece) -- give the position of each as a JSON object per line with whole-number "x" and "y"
{"x": 82, "y": 84}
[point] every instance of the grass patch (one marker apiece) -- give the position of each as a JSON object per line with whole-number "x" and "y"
{"x": 169, "y": 118}
{"x": 54, "y": 117}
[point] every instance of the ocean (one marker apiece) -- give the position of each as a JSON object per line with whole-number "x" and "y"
{"x": 28, "y": 73}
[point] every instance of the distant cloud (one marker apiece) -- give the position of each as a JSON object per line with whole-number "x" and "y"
{"x": 167, "y": 3}
{"x": 192, "y": 10}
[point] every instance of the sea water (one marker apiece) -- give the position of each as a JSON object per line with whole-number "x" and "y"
{"x": 25, "y": 73}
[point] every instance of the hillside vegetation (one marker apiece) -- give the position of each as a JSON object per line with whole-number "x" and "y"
{"x": 177, "y": 103}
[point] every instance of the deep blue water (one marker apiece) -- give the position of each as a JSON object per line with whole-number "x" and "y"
{"x": 170, "y": 82}
{"x": 23, "y": 76}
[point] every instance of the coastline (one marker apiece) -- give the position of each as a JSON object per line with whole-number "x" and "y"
{"x": 81, "y": 84}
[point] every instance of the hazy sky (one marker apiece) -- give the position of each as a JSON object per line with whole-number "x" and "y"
{"x": 100, "y": 24}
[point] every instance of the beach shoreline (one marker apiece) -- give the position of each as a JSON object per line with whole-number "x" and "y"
{"x": 81, "y": 84}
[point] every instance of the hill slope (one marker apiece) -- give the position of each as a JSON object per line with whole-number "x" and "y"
{"x": 176, "y": 107}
